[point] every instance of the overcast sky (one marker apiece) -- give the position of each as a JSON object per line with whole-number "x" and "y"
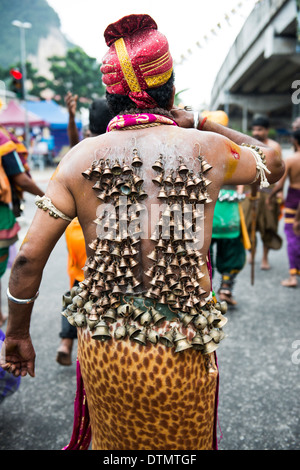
{"x": 201, "y": 31}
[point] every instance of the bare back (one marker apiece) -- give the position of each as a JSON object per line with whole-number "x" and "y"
{"x": 229, "y": 164}
{"x": 293, "y": 170}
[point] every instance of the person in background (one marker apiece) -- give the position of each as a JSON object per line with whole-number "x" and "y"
{"x": 291, "y": 210}
{"x": 268, "y": 212}
{"x": 158, "y": 392}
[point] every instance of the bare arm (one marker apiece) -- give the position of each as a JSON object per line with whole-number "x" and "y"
{"x": 27, "y": 184}
{"x": 235, "y": 174}
{"x": 26, "y": 275}
{"x": 71, "y": 102}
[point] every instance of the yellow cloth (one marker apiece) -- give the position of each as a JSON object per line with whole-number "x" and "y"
{"x": 76, "y": 251}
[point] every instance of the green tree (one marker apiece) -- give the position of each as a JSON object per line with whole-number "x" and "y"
{"x": 76, "y": 72}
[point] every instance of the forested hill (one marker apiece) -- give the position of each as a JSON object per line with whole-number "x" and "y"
{"x": 37, "y": 12}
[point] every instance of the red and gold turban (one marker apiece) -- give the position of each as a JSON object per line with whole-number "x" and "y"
{"x": 138, "y": 59}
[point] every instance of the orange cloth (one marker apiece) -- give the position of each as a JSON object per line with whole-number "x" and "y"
{"x": 76, "y": 251}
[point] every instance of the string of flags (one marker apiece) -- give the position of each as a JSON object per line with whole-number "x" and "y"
{"x": 215, "y": 31}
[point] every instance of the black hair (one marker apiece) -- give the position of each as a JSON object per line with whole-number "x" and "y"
{"x": 296, "y": 136}
{"x": 121, "y": 104}
{"x": 261, "y": 122}
{"x": 99, "y": 116}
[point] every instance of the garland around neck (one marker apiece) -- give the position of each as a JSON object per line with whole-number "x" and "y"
{"x": 135, "y": 121}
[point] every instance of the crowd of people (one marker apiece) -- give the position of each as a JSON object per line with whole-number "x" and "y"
{"x": 137, "y": 126}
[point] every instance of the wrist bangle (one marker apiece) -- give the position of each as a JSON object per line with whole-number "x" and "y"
{"x": 196, "y": 119}
{"x": 202, "y": 124}
{"x": 21, "y": 301}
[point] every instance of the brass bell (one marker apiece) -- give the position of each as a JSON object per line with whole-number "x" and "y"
{"x": 162, "y": 263}
{"x": 66, "y": 300}
{"x": 136, "y": 161}
{"x": 96, "y": 170}
{"x": 71, "y": 320}
{"x": 207, "y": 182}
{"x": 129, "y": 273}
{"x": 152, "y": 255}
{"x": 197, "y": 180}
{"x": 165, "y": 290}
{"x": 110, "y": 315}
{"x": 210, "y": 347}
{"x": 158, "y": 166}
{"x": 172, "y": 193}
{"x": 215, "y": 335}
{"x": 222, "y": 321}
{"x": 92, "y": 321}
{"x": 200, "y": 322}
{"x": 183, "y": 170}
{"x": 126, "y": 170}
{"x": 126, "y": 188}
{"x": 137, "y": 313}
{"x": 185, "y": 318}
{"x": 157, "y": 317}
{"x": 178, "y": 181}
{"x": 125, "y": 310}
{"x": 126, "y": 253}
{"x": 135, "y": 282}
{"x": 167, "y": 338}
{"x": 205, "y": 166}
{"x": 158, "y": 181}
{"x": 116, "y": 169}
{"x": 190, "y": 182}
{"x": 180, "y": 250}
{"x": 174, "y": 263}
{"x": 120, "y": 332}
{"x": 181, "y": 342}
{"x": 223, "y": 307}
{"x": 169, "y": 180}
{"x": 162, "y": 194}
{"x": 171, "y": 299}
{"x": 87, "y": 173}
{"x": 152, "y": 336}
{"x": 78, "y": 301}
{"x": 197, "y": 342}
{"x": 80, "y": 319}
{"x": 133, "y": 331}
{"x": 206, "y": 338}
{"x": 123, "y": 263}
{"x": 115, "y": 301}
{"x": 137, "y": 180}
{"x": 150, "y": 271}
{"x": 142, "y": 195}
{"x": 93, "y": 245}
{"x": 141, "y": 337}
{"x": 101, "y": 331}
{"x": 129, "y": 290}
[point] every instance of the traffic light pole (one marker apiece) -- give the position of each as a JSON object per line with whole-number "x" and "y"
{"x": 22, "y": 27}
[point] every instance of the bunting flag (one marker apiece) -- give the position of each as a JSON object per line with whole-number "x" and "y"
{"x": 216, "y": 30}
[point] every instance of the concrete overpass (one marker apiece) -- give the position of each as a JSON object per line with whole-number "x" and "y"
{"x": 261, "y": 73}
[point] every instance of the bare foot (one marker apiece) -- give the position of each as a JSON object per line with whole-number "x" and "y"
{"x": 290, "y": 282}
{"x": 228, "y": 298}
{"x": 265, "y": 265}
{"x": 64, "y": 352}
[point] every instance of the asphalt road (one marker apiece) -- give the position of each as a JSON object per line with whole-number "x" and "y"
{"x": 259, "y": 363}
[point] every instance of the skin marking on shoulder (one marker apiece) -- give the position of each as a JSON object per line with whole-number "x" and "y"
{"x": 55, "y": 173}
{"x": 232, "y": 162}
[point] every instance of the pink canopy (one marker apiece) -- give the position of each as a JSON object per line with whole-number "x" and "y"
{"x": 14, "y": 116}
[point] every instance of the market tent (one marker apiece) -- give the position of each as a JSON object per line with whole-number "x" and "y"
{"x": 58, "y": 118}
{"x": 56, "y": 115}
{"x": 15, "y": 116}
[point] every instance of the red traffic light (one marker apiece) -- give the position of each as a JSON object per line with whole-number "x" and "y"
{"x": 16, "y": 74}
